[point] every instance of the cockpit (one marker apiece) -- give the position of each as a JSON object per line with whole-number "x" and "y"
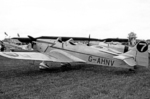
{"x": 59, "y": 40}
{"x": 71, "y": 41}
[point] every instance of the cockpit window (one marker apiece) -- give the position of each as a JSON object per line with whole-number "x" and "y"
{"x": 59, "y": 39}
{"x": 71, "y": 41}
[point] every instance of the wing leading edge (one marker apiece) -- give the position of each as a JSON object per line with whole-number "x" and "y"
{"x": 27, "y": 56}
{"x": 55, "y": 55}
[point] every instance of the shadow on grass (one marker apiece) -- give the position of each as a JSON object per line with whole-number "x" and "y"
{"x": 113, "y": 70}
{"x": 138, "y": 71}
{"x": 125, "y": 72}
{"x": 22, "y": 72}
{"x": 28, "y": 70}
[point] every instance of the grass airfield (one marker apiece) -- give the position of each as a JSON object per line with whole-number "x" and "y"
{"x": 22, "y": 80}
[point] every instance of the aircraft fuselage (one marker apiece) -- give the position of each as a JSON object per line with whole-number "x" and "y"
{"x": 86, "y": 53}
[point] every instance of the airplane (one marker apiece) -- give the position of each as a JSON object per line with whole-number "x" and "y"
{"x": 114, "y": 43}
{"x": 117, "y": 48}
{"x": 111, "y": 46}
{"x": 85, "y": 40}
{"x": 69, "y": 52}
{"x": 14, "y": 47}
{"x": 11, "y": 44}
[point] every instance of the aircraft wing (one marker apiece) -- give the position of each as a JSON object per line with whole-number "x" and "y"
{"x": 54, "y": 55}
{"x": 27, "y": 56}
{"x": 63, "y": 56}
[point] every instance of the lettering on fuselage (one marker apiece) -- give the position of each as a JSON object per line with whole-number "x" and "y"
{"x": 101, "y": 61}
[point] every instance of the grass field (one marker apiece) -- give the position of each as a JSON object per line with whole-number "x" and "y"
{"x": 22, "y": 80}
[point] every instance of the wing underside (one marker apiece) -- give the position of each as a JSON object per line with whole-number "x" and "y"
{"x": 55, "y": 56}
{"x": 27, "y": 56}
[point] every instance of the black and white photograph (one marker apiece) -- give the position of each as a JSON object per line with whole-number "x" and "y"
{"x": 74, "y": 49}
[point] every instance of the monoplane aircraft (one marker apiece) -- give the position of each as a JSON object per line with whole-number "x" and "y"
{"x": 117, "y": 48}
{"x": 14, "y": 47}
{"x": 69, "y": 52}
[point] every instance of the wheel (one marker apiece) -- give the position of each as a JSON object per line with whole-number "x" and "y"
{"x": 43, "y": 66}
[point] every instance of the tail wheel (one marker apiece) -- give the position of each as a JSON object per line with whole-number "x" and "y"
{"x": 133, "y": 69}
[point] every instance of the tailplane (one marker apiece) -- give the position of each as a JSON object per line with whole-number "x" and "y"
{"x": 139, "y": 53}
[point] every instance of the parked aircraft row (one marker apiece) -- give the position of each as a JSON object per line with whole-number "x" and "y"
{"x": 69, "y": 52}
{"x": 9, "y": 46}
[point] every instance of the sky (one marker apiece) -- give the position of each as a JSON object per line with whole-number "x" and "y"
{"x": 78, "y": 18}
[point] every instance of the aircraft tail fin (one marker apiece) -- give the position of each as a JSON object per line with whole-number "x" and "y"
{"x": 138, "y": 54}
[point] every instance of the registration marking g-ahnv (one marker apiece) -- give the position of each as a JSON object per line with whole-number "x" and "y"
{"x": 101, "y": 60}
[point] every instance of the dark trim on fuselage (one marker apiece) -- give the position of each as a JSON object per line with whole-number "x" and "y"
{"x": 82, "y": 53}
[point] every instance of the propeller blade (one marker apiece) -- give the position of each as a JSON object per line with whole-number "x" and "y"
{"x": 32, "y": 38}
{"x": 40, "y": 41}
{"x": 89, "y": 40}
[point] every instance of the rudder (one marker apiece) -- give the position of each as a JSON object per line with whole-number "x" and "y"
{"x": 140, "y": 53}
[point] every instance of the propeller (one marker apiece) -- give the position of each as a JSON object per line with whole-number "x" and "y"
{"x": 40, "y": 41}
{"x": 88, "y": 44}
{"x": 32, "y": 38}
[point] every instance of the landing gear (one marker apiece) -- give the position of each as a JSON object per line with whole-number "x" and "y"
{"x": 133, "y": 69}
{"x": 65, "y": 66}
{"x": 43, "y": 66}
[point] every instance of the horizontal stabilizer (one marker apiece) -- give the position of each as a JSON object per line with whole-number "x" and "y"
{"x": 127, "y": 59}
{"x": 138, "y": 55}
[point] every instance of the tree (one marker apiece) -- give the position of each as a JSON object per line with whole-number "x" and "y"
{"x": 132, "y": 38}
